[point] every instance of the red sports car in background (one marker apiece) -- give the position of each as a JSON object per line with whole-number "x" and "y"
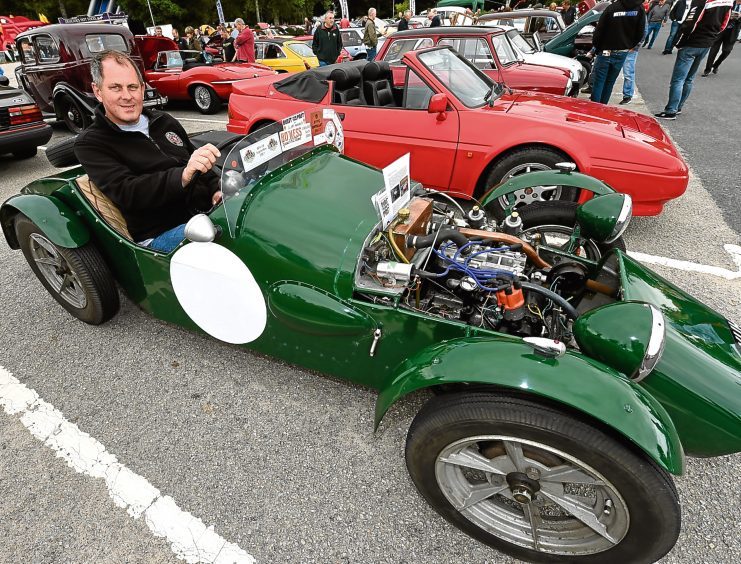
{"x": 489, "y": 50}
{"x": 192, "y": 75}
{"x": 467, "y": 133}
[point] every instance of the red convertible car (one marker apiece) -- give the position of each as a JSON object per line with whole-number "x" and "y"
{"x": 192, "y": 75}
{"x": 466, "y": 133}
{"x": 490, "y": 51}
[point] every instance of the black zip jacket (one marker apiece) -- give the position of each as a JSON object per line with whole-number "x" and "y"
{"x": 621, "y": 26}
{"x": 327, "y": 44}
{"x": 706, "y": 19}
{"x": 143, "y": 175}
{"x": 677, "y": 12}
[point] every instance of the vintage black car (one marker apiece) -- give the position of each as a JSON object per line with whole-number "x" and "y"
{"x": 55, "y": 68}
{"x": 22, "y": 128}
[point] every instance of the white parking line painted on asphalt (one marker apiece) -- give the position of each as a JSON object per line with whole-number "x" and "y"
{"x": 202, "y": 120}
{"x": 189, "y": 538}
{"x": 733, "y": 250}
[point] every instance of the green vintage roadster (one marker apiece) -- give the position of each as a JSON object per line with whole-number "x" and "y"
{"x": 570, "y": 381}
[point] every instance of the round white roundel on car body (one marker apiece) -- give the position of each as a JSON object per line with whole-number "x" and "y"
{"x": 218, "y": 292}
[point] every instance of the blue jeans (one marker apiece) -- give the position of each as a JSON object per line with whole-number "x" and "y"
{"x": 371, "y": 53}
{"x": 685, "y": 67}
{"x": 629, "y": 74}
{"x": 652, "y": 32}
{"x": 167, "y": 241}
{"x": 672, "y": 34}
{"x": 605, "y": 72}
{"x": 324, "y": 63}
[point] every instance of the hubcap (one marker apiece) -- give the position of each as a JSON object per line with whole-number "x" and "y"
{"x": 491, "y": 480}
{"x": 57, "y": 272}
{"x": 529, "y": 195}
{"x": 203, "y": 97}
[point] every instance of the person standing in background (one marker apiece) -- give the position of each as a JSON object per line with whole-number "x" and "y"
{"x": 245, "y": 42}
{"x": 676, "y": 15}
{"x": 657, "y": 17}
{"x": 327, "y": 42}
{"x": 705, "y": 21}
{"x": 404, "y": 21}
{"x": 434, "y": 18}
{"x": 569, "y": 12}
{"x": 727, "y": 40}
{"x": 619, "y": 30}
{"x": 370, "y": 35}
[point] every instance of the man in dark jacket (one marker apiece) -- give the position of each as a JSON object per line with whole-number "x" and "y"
{"x": 568, "y": 13}
{"x": 327, "y": 42}
{"x": 705, "y": 20}
{"x": 619, "y": 29}
{"x": 676, "y": 15}
{"x": 404, "y": 21}
{"x": 143, "y": 160}
{"x": 726, "y": 40}
{"x": 656, "y": 18}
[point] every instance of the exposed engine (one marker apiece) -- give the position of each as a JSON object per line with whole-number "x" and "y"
{"x": 437, "y": 259}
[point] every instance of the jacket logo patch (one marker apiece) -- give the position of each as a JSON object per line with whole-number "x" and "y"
{"x": 174, "y": 138}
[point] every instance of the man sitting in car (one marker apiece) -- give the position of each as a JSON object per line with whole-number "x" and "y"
{"x": 142, "y": 159}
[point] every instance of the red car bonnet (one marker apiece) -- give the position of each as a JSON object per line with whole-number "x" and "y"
{"x": 150, "y": 45}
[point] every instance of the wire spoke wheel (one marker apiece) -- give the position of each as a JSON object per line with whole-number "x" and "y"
{"x": 57, "y": 271}
{"x": 532, "y": 495}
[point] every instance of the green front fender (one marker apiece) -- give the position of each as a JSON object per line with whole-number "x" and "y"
{"x": 52, "y": 216}
{"x": 547, "y": 178}
{"x": 573, "y": 380}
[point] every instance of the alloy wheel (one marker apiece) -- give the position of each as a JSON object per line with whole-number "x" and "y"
{"x": 532, "y": 194}
{"x": 56, "y": 271}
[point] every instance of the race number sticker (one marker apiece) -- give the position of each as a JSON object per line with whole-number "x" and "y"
{"x": 295, "y": 136}
{"x": 260, "y": 152}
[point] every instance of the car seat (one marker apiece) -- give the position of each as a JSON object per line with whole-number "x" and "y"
{"x": 105, "y": 207}
{"x": 377, "y": 80}
{"x": 347, "y": 89}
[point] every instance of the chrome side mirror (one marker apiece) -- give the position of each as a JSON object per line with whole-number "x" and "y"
{"x": 200, "y": 229}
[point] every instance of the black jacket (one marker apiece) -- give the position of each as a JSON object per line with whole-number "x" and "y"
{"x": 403, "y": 25}
{"x": 704, "y": 22}
{"x": 327, "y": 44}
{"x": 569, "y": 15}
{"x": 677, "y": 11}
{"x": 621, "y": 26}
{"x": 143, "y": 175}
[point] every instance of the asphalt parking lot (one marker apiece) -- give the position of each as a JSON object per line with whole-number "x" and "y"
{"x": 281, "y": 462}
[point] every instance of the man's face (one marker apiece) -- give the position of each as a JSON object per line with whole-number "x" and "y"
{"x": 240, "y": 26}
{"x": 158, "y": 31}
{"x": 329, "y": 20}
{"x": 121, "y": 94}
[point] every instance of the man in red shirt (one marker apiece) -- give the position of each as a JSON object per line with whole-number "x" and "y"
{"x": 245, "y": 42}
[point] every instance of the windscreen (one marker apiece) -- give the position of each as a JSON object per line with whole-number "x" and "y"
{"x": 271, "y": 147}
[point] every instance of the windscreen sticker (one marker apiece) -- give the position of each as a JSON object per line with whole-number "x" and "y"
{"x": 260, "y": 152}
{"x": 295, "y": 136}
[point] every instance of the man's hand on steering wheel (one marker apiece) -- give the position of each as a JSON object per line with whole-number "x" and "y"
{"x": 202, "y": 160}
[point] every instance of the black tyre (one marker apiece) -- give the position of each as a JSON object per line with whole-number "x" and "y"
{"x": 26, "y": 153}
{"x": 74, "y": 116}
{"x": 538, "y": 484}
{"x": 523, "y": 161}
{"x": 206, "y": 99}
{"x": 555, "y": 222}
{"x": 77, "y": 278}
{"x": 62, "y": 154}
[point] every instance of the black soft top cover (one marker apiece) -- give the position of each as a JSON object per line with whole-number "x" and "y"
{"x": 312, "y": 85}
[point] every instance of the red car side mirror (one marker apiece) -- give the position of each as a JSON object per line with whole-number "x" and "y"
{"x": 438, "y": 105}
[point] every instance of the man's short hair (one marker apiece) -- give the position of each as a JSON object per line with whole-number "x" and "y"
{"x": 239, "y": 21}
{"x": 407, "y": 12}
{"x": 329, "y": 13}
{"x": 96, "y": 65}
{"x": 372, "y": 12}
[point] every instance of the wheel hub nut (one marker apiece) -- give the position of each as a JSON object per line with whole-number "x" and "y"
{"x": 533, "y": 473}
{"x": 522, "y": 494}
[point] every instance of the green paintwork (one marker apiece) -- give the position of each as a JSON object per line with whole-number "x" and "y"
{"x": 698, "y": 379}
{"x": 300, "y": 231}
{"x": 55, "y": 219}
{"x": 574, "y": 380}
{"x": 563, "y": 43}
{"x": 603, "y": 334}
{"x": 598, "y": 217}
{"x": 546, "y": 178}
{"x": 316, "y": 312}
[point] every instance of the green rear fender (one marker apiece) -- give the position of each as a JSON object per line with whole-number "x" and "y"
{"x": 52, "y": 216}
{"x": 547, "y": 178}
{"x": 573, "y": 380}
